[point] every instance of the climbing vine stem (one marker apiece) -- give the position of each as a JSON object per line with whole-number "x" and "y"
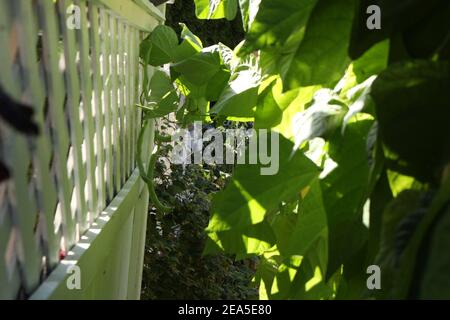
{"x": 148, "y": 175}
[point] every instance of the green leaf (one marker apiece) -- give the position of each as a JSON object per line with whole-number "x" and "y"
{"x": 292, "y": 102}
{"x": 268, "y": 113}
{"x": 359, "y": 100}
{"x": 404, "y": 204}
{"x": 311, "y": 224}
{"x": 231, "y": 8}
{"x": 427, "y": 38}
{"x": 283, "y": 225}
{"x": 380, "y": 197}
{"x": 285, "y": 99}
{"x": 187, "y": 34}
{"x": 399, "y": 183}
{"x": 344, "y": 185}
{"x": 353, "y": 279}
{"x": 372, "y": 62}
{"x": 309, "y": 282}
{"x": 405, "y": 275}
{"x": 240, "y": 96}
{"x": 199, "y": 68}
{"x": 198, "y": 110}
{"x": 398, "y": 19}
{"x": 217, "y": 84}
{"x": 191, "y": 45}
{"x": 163, "y": 98}
{"x": 283, "y": 280}
{"x": 159, "y": 47}
{"x": 160, "y": 85}
{"x": 254, "y": 239}
{"x": 435, "y": 283}
{"x": 209, "y": 9}
{"x": 321, "y": 57}
{"x": 403, "y": 94}
{"x": 249, "y": 8}
{"x": 274, "y": 23}
{"x": 189, "y": 89}
{"x": 250, "y": 195}
{"x": 323, "y": 116}
{"x": 216, "y": 9}
{"x": 266, "y": 273}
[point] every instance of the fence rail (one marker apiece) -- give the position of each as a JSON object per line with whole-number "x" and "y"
{"x": 74, "y": 197}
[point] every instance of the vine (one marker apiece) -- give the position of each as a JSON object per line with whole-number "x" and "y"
{"x": 148, "y": 175}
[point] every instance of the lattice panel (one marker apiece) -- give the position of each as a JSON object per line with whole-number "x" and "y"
{"x": 82, "y": 85}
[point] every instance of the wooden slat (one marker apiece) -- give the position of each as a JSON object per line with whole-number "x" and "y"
{"x": 46, "y": 188}
{"x": 121, "y": 257}
{"x": 116, "y": 148}
{"x": 153, "y": 9}
{"x": 135, "y": 121}
{"x": 10, "y": 279}
{"x": 19, "y": 159}
{"x": 144, "y": 20}
{"x": 99, "y": 243}
{"x": 139, "y": 87}
{"x": 98, "y": 109}
{"x": 56, "y": 105}
{"x": 123, "y": 86}
{"x": 88, "y": 81}
{"x": 139, "y": 36}
{"x": 88, "y": 105}
{"x": 129, "y": 106}
{"x": 106, "y": 103}
{"x": 138, "y": 247}
{"x": 73, "y": 104}
{"x": 140, "y": 223}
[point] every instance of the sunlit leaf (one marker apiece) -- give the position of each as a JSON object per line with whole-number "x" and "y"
{"x": 199, "y": 68}
{"x": 163, "y": 98}
{"x": 275, "y": 21}
{"x": 216, "y": 9}
{"x": 159, "y": 47}
{"x": 250, "y": 195}
{"x": 321, "y": 56}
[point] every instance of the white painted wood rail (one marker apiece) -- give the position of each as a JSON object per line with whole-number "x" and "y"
{"x": 74, "y": 196}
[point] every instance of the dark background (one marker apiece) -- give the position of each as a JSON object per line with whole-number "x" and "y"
{"x": 210, "y": 32}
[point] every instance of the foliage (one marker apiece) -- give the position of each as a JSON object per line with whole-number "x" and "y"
{"x": 362, "y": 116}
{"x": 174, "y": 267}
{"x": 211, "y": 32}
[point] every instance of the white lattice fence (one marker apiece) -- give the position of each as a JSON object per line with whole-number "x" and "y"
{"x": 74, "y": 196}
